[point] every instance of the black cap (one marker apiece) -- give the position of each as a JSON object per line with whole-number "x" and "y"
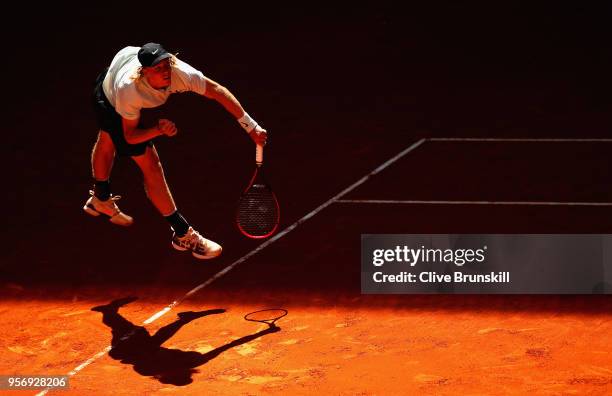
{"x": 151, "y": 54}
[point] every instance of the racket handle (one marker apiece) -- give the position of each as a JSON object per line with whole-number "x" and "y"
{"x": 259, "y": 154}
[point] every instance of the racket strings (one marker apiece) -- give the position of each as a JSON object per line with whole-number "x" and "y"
{"x": 257, "y": 211}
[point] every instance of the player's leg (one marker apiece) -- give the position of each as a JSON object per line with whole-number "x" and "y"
{"x": 155, "y": 183}
{"x": 102, "y": 158}
{"x": 101, "y": 200}
{"x": 156, "y": 187}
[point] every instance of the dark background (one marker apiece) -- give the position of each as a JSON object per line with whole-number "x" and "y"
{"x": 340, "y": 88}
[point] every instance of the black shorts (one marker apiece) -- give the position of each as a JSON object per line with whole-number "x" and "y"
{"x": 110, "y": 121}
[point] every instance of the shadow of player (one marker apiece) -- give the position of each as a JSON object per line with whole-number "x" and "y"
{"x": 134, "y": 345}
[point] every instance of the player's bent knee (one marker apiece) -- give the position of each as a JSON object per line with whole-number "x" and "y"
{"x": 105, "y": 138}
{"x": 104, "y": 143}
{"x": 153, "y": 171}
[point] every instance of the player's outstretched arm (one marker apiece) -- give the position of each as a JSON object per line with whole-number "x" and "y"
{"x": 226, "y": 99}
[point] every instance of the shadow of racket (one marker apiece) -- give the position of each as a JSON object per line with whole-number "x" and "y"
{"x": 267, "y": 316}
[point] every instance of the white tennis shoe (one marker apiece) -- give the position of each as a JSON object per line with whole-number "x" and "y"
{"x": 108, "y": 208}
{"x": 200, "y": 247}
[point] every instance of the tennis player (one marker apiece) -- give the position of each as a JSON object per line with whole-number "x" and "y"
{"x": 144, "y": 77}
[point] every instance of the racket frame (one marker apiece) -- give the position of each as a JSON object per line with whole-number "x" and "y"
{"x": 256, "y": 174}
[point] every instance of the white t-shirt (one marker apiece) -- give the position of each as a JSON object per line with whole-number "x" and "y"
{"x": 128, "y": 95}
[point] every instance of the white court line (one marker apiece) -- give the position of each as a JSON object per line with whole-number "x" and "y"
{"x": 420, "y": 202}
{"x": 535, "y": 140}
{"x": 267, "y": 243}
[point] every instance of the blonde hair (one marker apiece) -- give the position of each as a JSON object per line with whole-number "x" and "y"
{"x": 139, "y": 74}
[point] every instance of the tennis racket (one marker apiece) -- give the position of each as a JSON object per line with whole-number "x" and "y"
{"x": 258, "y": 213}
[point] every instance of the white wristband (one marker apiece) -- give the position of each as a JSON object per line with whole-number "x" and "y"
{"x": 247, "y": 123}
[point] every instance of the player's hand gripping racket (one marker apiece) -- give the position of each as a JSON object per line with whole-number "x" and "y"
{"x": 258, "y": 212}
